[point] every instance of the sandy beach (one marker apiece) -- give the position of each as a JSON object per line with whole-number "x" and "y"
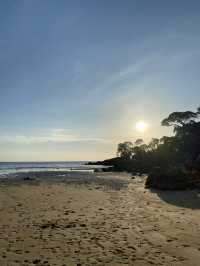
{"x": 96, "y": 219}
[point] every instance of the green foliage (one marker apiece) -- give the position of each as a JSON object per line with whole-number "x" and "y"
{"x": 170, "y": 179}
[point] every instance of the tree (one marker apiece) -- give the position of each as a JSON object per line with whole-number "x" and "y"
{"x": 125, "y": 150}
{"x": 188, "y": 137}
{"x": 144, "y": 147}
{"x": 153, "y": 145}
{"x": 178, "y": 119}
{"x": 178, "y": 153}
{"x": 139, "y": 142}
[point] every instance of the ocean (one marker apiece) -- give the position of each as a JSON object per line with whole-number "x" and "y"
{"x": 25, "y": 167}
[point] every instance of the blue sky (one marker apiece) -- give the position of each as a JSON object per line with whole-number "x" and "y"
{"x": 75, "y": 76}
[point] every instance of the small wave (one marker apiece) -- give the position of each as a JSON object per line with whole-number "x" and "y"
{"x": 15, "y": 168}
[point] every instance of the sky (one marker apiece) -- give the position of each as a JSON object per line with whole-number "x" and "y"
{"x": 75, "y": 76}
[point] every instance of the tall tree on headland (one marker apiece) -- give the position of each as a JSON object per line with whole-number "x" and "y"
{"x": 125, "y": 150}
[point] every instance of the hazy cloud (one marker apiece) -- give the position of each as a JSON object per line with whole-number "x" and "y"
{"x": 55, "y": 136}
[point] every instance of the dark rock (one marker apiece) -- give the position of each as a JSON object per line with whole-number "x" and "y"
{"x": 28, "y": 178}
{"x": 98, "y": 170}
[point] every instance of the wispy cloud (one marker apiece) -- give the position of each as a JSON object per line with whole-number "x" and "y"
{"x": 54, "y": 136}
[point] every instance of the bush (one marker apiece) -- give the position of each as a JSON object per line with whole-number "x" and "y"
{"x": 171, "y": 179}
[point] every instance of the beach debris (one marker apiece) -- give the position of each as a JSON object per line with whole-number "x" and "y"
{"x": 55, "y": 225}
{"x": 27, "y": 178}
{"x": 49, "y": 224}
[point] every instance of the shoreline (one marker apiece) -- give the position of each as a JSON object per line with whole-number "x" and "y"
{"x": 110, "y": 180}
{"x": 96, "y": 219}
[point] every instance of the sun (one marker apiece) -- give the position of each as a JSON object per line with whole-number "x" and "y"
{"x": 141, "y": 126}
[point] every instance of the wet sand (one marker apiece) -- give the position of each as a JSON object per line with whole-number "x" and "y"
{"x": 96, "y": 219}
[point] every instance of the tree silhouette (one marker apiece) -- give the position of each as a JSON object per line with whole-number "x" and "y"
{"x": 139, "y": 142}
{"x": 153, "y": 144}
{"x": 178, "y": 119}
{"x": 170, "y": 162}
{"x": 125, "y": 150}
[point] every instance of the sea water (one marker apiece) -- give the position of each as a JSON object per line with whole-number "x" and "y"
{"x": 18, "y": 167}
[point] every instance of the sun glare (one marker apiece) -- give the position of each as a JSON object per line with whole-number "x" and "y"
{"x": 141, "y": 126}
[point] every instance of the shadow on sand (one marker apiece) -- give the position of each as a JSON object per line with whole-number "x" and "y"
{"x": 185, "y": 199}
